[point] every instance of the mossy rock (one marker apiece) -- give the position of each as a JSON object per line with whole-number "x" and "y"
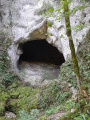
{"x": 23, "y": 98}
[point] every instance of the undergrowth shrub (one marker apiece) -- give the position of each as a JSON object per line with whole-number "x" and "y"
{"x": 9, "y": 78}
{"x": 52, "y": 109}
{"x": 33, "y": 115}
{"x": 54, "y": 93}
{"x": 68, "y": 75}
{"x": 3, "y": 63}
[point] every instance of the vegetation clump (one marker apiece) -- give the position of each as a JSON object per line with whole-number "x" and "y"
{"x": 22, "y": 97}
{"x": 52, "y": 94}
{"x": 68, "y": 75}
{"x": 3, "y": 99}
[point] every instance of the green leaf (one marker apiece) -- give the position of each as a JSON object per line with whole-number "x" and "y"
{"x": 50, "y": 10}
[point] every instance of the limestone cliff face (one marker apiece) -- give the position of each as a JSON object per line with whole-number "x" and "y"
{"x": 23, "y": 21}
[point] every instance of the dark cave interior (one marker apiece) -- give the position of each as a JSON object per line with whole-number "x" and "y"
{"x": 40, "y": 51}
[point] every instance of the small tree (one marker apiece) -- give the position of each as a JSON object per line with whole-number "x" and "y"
{"x": 72, "y": 48}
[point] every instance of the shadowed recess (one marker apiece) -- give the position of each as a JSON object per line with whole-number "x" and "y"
{"x": 40, "y": 51}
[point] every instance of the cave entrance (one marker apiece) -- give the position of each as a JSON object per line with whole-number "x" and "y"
{"x": 39, "y": 62}
{"x": 40, "y": 51}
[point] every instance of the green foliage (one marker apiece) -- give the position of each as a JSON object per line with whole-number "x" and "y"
{"x": 51, "y": 12}
{"x": 54, "y": 93}
{"x": 84, "y": 58}
{"x": 70, "y": 104}
{"x": 9, "y": 78}
{"x": 23, "y": 115}
{"x": 77, "y": 8}
{"x": 22, "y": 97}
{"x": 67, "y": 74}
{"x": 42, "y": 117}
{"x": 78, "y": 27}
{"x": 61, "y": 97}
{"x": 3, "y": 63}
{"x": 5, "y": 40}
{"x": 82, "y": 117}
{"x": 49, "y": 33}
{"x": 2, "y": 36}
{"x": 49, "y": 23}
{"x": 58, "y": 14}
{"x": 3, "y": 99}
{"x": 77, "y": 116}
{"x": 2, "y": 108}
{"x": 52, "y": 110}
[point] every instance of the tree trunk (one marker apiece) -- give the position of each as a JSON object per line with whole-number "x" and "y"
{"x": 68, "y": 32}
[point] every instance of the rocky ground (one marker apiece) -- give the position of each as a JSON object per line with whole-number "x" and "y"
{"x": 37, "y": 74}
